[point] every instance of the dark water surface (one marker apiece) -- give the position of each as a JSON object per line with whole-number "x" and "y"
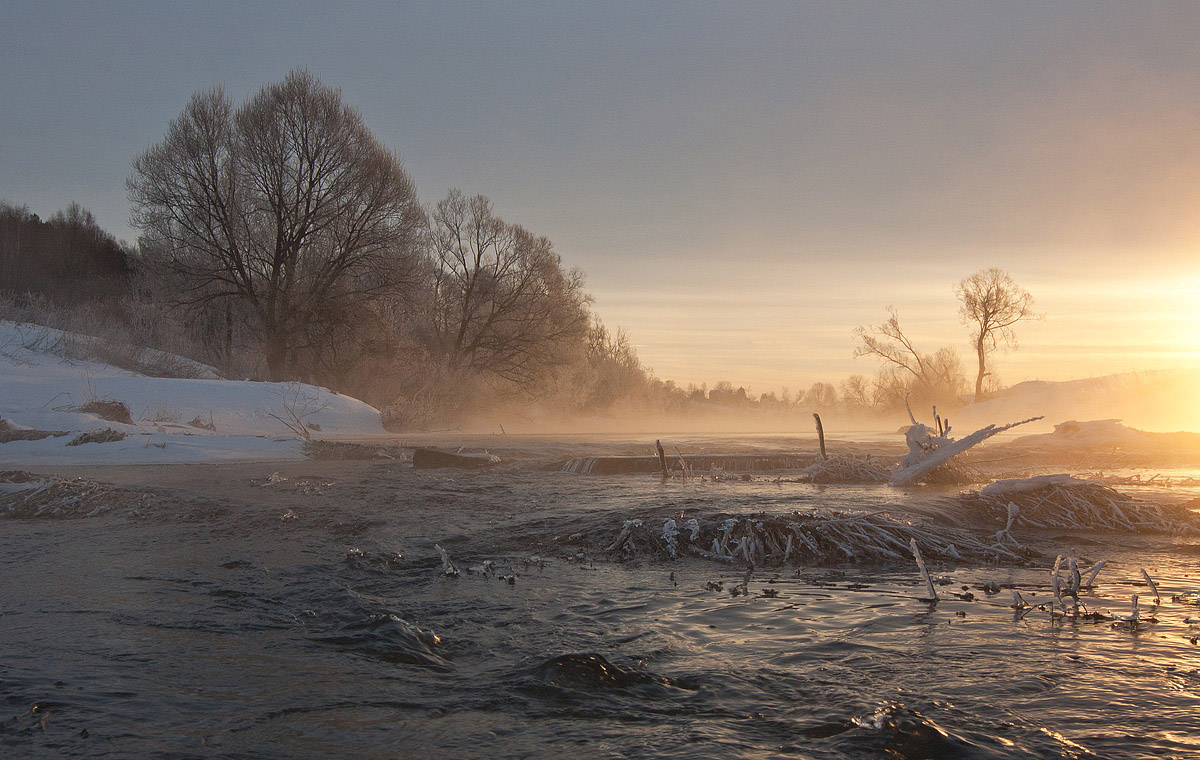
{"x": 243, "y": 621}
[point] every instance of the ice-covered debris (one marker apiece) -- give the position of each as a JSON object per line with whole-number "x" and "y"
{"x": 623, "y": 536}
{"x": 817, "y": 537}
{"x": 693, "y": 527}
{"x": 927, "y": 451}
{"x": 920, "y": 438}
{"x": 1019, "y": 602}
{"x": 1021, "y": 485}
{"x": 448, "y": 567}
{"x": 426, "y": 637}
{"x": 487, "y": 568}
{"x": 1074, "y": 580}
{"x": 1153, "y": 586}
{"x": 844, "y": 469}
{"x": 1191, "y": 598}
{"x": 1134, "y": 613}
{"x": 56, "y": 498}
{"x": 916, "y": 550}
{"x": 274, "y": 479}
{"x": 670, "y": 536}
{"x": 1061, "y": 501}
{"x": 1090, "y": 578}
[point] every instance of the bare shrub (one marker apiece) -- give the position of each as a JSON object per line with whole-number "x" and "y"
{"x": 107, "y": 409}
{"x": 198, "y": 422}
{"x": 296, "y": 404}
{"x": 107, "y": 435}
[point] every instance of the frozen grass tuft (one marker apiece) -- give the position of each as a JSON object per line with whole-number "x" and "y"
{"x": 107, "y": 435}
{"x": 1059, "y": 501}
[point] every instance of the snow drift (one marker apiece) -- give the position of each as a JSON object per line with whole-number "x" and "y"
{"x": 169, "y": 419}
{"x": 1160, "y": 401}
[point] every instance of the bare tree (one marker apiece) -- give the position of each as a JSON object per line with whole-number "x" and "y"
{"x": 288, "y": 204}
{"x": 991, "y": 304}
{"x": 936, "y": 376}
{"x": 503, "y": 306}
{"x": 821, "y": 396}
{"x": 855, "y": 392}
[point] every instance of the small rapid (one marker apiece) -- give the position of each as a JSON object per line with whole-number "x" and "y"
{"x": 240, "y": 612}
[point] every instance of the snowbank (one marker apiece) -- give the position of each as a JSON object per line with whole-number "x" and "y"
{"x": 173, "y": 420}
{"x": 1090, "y": 434}
{"x": 1021, "y": 485}
{"x": 1161, "y": 401}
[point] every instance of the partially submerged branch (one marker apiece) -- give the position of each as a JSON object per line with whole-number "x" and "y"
{"x": 927, "y": 450}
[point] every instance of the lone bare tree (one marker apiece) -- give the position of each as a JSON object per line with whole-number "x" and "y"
{"x": 991, "y": 304}
{"x": 503, "y": 306}
{"x": 287, "y": 203}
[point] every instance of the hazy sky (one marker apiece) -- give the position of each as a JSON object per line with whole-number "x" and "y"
{"x": 742, "y": 182}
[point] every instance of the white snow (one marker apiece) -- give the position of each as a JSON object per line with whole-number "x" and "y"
{"x": 1160, "y": 401}
{"x": 1020, "y": 485}
{"x": 1088, "y": 434}
{"x": 921, "y": 460}
{"x": 39, "y": 390}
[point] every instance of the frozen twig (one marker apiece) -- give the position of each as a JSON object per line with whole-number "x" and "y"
{"x": 916, "y": 550}
{"x": 1153, "y": 587}
{"x": 448, "y": 567}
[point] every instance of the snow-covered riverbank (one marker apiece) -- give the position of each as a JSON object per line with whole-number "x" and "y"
{"x": 170, "y": 419}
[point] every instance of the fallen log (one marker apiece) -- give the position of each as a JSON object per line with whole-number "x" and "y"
{"x": 926, "y": 450}
{"x": 432, "y": 459}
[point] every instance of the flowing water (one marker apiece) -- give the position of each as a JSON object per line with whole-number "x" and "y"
{"x": 221, "y": 617}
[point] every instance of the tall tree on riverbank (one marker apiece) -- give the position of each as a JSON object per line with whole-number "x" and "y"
{"x": 288, "y": 204}
{"x": 992, "y": 302}
{"x": 502, "y": 303}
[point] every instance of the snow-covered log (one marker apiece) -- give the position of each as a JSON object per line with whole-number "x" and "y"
{"x": 927, "y": 450}
{"x": 1036, "y": 483}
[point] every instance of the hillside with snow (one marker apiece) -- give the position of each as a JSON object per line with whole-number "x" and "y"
{"x": 1162, "y": 401}
{"x": 46, "y": 387}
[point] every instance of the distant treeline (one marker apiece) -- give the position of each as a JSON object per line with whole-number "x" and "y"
{"x": 66, "y": 258}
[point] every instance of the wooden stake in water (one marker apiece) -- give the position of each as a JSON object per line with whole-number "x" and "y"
{"x": 933, "y": 596}
{"x": 820, "y": 434}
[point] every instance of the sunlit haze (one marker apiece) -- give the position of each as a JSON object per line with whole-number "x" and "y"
{"x": 742, "y": 185}
{"x": 528, "y": 379}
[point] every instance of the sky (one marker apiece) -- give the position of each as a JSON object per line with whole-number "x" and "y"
{"x": 742, "y": 183}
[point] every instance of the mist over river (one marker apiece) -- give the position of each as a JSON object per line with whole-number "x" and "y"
{"x": 213, "y": 611}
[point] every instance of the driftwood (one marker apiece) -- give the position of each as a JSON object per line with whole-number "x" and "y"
{"x": 58, "y": 498}
{"x": 916, "y": 550}
{"x": 432, "y": 459}
{"x": 662, "y": 459}
{"x": 1062, "y": 501}
{"x": 810, "y": 538}
{"x": 927, "y": 450}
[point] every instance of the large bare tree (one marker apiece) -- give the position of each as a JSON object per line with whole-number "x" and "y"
{"x": 502, "y": 305}
{"x": 991, "y": 304}
{"x": 287, "y": 203}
